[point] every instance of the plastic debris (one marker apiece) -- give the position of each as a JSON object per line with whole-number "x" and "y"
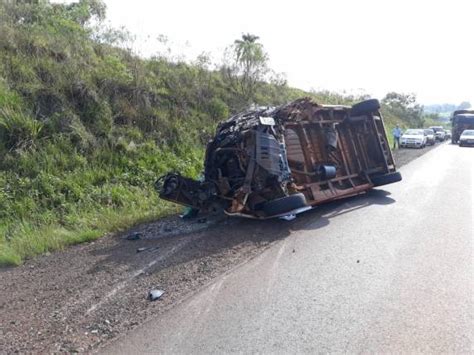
{"x": 153, "y": 295}
{"x": 189, "y": 212}
{"x": 142, "y": 249}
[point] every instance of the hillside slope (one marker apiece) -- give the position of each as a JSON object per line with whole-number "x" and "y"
{"x": 86, "y": 127}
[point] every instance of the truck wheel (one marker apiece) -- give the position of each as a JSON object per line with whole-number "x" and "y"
{"x": 284, "y": 204}
{"x": 365, "y": 107}
{"x": 380, "y": 180}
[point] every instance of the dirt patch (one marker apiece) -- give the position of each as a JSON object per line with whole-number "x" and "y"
{"x": 80, "y": 298}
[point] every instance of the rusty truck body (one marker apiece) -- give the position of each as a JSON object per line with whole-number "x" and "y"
{"x": 273, "y": 162}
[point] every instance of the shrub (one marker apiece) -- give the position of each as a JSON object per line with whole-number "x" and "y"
{"x": 18, "y": 130}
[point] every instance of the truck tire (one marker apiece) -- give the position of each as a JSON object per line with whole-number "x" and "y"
{"x": 365, "y": 107}
{"x": 284, "y": 204}
{"x": 380, "y": 180}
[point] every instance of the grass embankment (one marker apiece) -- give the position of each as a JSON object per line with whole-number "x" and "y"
{"x": 87, "y": 127}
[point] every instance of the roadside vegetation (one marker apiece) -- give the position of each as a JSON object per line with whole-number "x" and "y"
{"x": 86, "y": 126}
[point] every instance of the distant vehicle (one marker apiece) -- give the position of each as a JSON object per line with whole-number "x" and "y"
{"x": 466, "y": 138}
{"x": 461, "y": 120}
{"x": 430, "y": 136}
{"x": 448, "y": 134}
{"x": 272, "y": 162}
{"x": 413, "y": 138}
{"x": 439, "y": 132}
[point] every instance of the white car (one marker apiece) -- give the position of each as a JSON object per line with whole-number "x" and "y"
{"x": 430, "y": 136}
{"x": 466, "y": 138}
{"x": 413, "y": 138}
{"x": 439, "y": 132}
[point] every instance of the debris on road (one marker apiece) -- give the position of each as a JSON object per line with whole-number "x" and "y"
{"x": 289, "y": 217}
{"x": 142, "y": 249}
{"x": 189, "y": 212}
{"x": 134, "y": 236}
{"x": 153, "y": 295}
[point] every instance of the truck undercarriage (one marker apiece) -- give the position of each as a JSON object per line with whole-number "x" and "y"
{"x": 271, "y": 162}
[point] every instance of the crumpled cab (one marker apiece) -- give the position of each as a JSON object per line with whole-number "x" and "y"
{"x": 273, "y": 162}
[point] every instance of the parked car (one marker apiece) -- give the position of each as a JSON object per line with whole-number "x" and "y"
{"x": 439, "y": 132}
{"x": 466, "y": 138}
{"x": 430, "y": 136}
{"x": 273, "y": 162}
{"x": 414, "y": 138}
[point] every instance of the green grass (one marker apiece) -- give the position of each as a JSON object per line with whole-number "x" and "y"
{"x": 54, "y": 196}
{"x": 30, "y": 240}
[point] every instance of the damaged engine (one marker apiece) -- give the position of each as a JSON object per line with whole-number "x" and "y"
{"x": 245, "y": 166}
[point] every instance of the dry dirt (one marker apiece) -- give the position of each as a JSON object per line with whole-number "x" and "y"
{"x": 77, "y": 299}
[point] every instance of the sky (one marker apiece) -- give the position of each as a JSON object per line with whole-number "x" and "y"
{"x": 421, "y": 47}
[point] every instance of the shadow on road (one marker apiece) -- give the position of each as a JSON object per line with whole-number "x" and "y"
{"x": 225, "y": 234}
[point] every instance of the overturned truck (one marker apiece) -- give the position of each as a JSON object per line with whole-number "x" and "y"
{"x": 273, "y": 162}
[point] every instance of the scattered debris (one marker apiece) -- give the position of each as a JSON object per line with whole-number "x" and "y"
{"x": 189, "y": 212}
{"x": 202, "y": 220}
{"x": 153, "y": 295}
{"x": 134, "y": 236}
{"x": 142, "y": 249}
{"x": 288, "y": 217}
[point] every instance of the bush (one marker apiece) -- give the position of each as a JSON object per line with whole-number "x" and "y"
{"x": 18, "y": 131}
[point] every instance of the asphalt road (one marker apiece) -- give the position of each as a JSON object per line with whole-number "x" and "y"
{"x": 391, "y": 271}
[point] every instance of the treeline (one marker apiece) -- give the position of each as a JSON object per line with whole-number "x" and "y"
{"x": 446, "y": 108}
{"x": 86, "y": 126}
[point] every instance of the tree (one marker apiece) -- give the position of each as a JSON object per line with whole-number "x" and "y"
{"x": 245, "y": 66}
{"x": 405, "y": 107}
{"x": 464, "y": 105}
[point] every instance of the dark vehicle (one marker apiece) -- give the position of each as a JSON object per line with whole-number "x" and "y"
{"x": 467, "y": 138}
{"x": 274, "y": 162}
{"x": 461, "y": 120}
